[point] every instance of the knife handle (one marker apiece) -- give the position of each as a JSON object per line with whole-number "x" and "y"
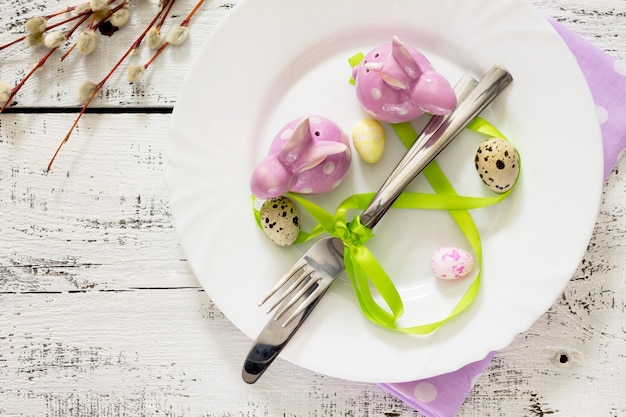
{"x": 436, "y": 137}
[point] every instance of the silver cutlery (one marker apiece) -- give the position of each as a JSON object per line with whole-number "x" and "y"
{"x": 316, "y": 270}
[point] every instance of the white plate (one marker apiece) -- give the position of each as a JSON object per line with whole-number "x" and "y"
{"x": 274, "y": 60}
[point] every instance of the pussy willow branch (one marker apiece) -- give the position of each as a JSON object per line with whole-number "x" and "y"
{"x": 167, "y": 12}
{"x": 93, "y": 25}
{"x": 183, "y": 24}
{"x": 82, "y": 17}
{"x": 55, "y": 14}
{"x": 41, "y": 63}
{"x": 99, "y": 86}
{"x": 66, "y": 10}
{"x": 193, "y": 12}
{"x": 63, "y": 22}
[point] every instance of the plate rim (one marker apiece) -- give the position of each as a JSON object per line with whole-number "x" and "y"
{"x": 171, "y": 179}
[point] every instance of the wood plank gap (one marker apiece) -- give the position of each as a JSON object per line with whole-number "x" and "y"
{"x": 90, "y": 110}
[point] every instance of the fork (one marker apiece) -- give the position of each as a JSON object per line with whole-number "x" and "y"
{"x": 317, "y": 269}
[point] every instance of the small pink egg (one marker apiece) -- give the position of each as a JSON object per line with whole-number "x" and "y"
{"x": 451, "y": 263}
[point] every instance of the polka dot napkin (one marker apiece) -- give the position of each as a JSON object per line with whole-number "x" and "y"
{"x": 441, "y": 396}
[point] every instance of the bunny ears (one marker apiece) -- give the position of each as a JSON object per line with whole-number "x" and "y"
{"x": 396, "y": 83}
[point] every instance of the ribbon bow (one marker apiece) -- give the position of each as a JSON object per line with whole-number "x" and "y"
{"x": 361, "y": 264}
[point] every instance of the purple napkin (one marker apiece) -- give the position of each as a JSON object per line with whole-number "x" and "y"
{"x": 441, "y": 396}
{"x": 606, "y": 77}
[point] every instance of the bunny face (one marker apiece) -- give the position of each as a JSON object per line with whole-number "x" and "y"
{"x": 395, "y": 84}
{"x": 310, "y": 156}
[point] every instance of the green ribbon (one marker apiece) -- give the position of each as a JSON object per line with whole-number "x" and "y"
{"x": 458, "y": 206}
{"x": 362, "y": 266}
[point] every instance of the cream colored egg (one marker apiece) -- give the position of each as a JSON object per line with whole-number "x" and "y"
{"x": 368, "y": 138}
{"x": 280, "y": 220}
{"x": 497, "y": 164}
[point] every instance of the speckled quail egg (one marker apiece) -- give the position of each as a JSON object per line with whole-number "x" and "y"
{"x": 280, "y": 220}
{"x": 451, "y": 263}
{"x": 497, "y": 164}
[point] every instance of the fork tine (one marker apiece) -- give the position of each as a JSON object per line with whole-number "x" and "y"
{"x": 306, "y": 286}
{"x": 305, "y": 273}
{"x": 305, "y": 303}
{"x": 300, "y": 263}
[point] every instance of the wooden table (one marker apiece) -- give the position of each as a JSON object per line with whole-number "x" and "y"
{"x": 100, "y": 314}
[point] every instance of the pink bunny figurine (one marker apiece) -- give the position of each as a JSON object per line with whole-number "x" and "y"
{"x": 310, "y": 156}
{"x": 396, "y": 83}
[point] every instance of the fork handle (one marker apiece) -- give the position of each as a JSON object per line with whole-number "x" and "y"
{"x": 440, "y": 131}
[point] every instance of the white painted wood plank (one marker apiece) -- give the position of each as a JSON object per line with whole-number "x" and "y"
{"x": 74, "y": 228}
{"x": 138, "y": 353}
